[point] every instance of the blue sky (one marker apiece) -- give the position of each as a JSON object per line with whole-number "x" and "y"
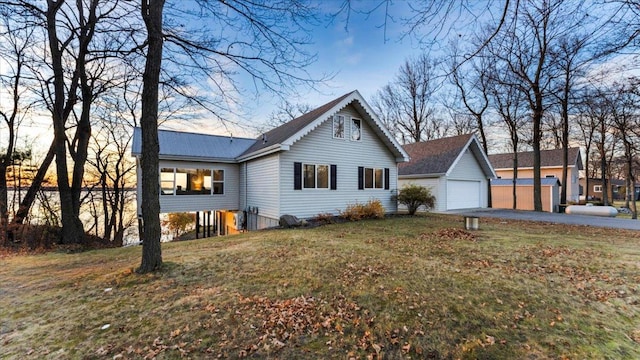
{"x": 361, "y": 55}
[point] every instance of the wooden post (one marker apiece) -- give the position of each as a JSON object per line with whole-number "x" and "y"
{"x": 208, "y": 223}
{"x": 197, "y": 223}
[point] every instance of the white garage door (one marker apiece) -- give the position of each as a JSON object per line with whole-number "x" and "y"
{"x": 463, "y": 194}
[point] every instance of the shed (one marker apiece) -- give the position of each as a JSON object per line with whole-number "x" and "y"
{"x": 502, "y": 194}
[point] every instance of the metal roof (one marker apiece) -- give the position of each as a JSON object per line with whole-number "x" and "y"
{"x": 525, "y": 181}
{"x": 185, "y": 146}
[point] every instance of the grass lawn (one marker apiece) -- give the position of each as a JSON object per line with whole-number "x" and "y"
{"x": 395, "y": 288}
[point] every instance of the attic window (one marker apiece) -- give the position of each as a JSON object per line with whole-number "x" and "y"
{"x": 356, "y": 129}
{"x": 338, "y": 127}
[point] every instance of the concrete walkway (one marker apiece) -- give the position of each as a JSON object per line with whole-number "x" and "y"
{"x": 617, "y": 223}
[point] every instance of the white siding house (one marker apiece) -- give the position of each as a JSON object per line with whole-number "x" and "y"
{"x": 333, "y": 156}
{"x": 456, "y": 170}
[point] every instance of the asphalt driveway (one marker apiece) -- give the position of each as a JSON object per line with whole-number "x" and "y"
{"x": 617, "y": 223}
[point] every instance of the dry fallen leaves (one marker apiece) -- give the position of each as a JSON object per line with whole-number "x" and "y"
{"x": 279, "y": 321}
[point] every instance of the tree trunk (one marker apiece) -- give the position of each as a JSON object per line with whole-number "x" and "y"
{"x": 565, "y": 140}
{"x": 537, "y": 119}
{"x": 515, "y": 178}
{"x": 151, "y": 250}
{"x": 4, "y": 208}
{"x": 72, "y": 231}
{"x": 30, "y": 196}
{"x": 605, "y": 183}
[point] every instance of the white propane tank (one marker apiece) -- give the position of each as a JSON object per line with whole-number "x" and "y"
{"x": 607, "y": 211}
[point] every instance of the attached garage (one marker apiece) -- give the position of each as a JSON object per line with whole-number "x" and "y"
{"x": 462, "y": 194}
{"x": 456, "y": 169}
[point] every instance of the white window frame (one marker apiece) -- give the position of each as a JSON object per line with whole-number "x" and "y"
{"x": 597, "y": 188}
{"x": 351, "y": 128}
{"x": 214, "y": 181}
{"x": 315, "y": 176}
{"x": 344, "y": 127}
{"x": 174, "y": 192}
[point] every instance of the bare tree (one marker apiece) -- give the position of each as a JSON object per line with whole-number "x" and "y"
{"x": 626, "y": 122}
{"x": 262, "y": 39}
{"x": 71, "y": 72}
{"x": 524, "y": 48}
{"x": 473, "y": 82}
{"x": 596, "y": 126}
{"x": 285, "y": 112}
{"x": 15, "y": 44}
{"x": 409, "y": 103}
{"x": 152, "y": 11}
{"x": 509, "y": 104}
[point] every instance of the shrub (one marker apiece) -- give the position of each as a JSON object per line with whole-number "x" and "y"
{"x": 324, "y": 218}
{"x": 413, "y": 196}
{"x": 373, "y": 209}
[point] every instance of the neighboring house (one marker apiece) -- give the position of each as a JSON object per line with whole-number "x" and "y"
{"x": 617, "y": 189}
{"x": 455, "y": 168}
{"x": 321, "y": 162}
{"x": 550, "y": 167}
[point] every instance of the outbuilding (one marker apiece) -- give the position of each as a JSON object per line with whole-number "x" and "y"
{"x": 456, "y": 169}
{"x": 502, "y": 194}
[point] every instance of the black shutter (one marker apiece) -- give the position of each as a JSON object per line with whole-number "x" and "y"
{"x": 297, "y": 176}
{"x": 360, "y": 178}
{"x": 386, "y": 178}
{"x": 334, "y": 177}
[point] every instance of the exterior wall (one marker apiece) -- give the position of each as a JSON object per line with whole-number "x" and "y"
{"x": 262, "y": 189}
{"x": 573, "y": 191}
{"x": 319, "y": 147}
{"x": 502, "y": 197}
{"x": 468, "y": 168}
{"x": 227, "y": 201}
{"x": 437, "y": 186}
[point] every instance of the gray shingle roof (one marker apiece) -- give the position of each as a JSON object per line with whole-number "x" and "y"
{"x": 434, "y": 156}
{"x": 183, "y": 145}
{"x": 548, "y": 158}
{"x": 284, "y": 131}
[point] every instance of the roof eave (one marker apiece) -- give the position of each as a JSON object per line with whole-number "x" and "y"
{"x": 263, "y": 152}
{"x": 417, "y": 176}
{"x": 197, "y": 158}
